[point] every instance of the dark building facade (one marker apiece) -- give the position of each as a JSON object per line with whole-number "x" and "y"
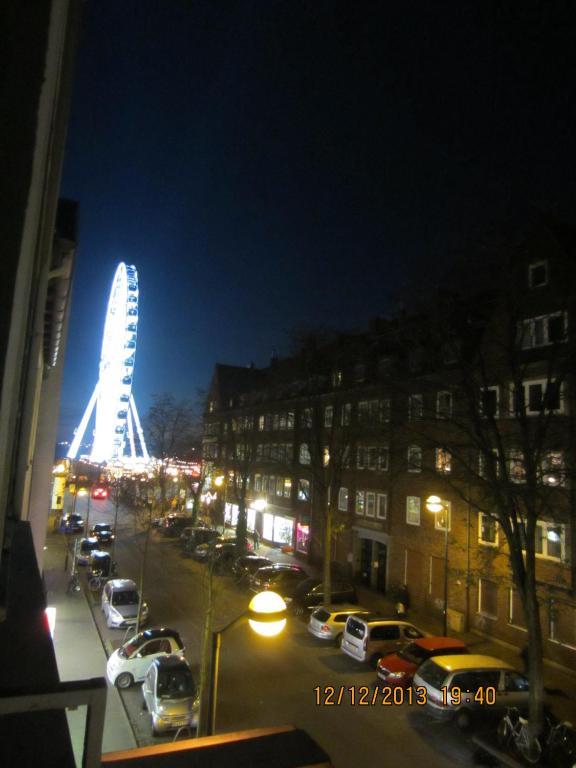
{"x": 470, "y": 400}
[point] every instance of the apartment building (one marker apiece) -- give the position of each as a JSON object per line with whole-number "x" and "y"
{"x": 470, "y": 400}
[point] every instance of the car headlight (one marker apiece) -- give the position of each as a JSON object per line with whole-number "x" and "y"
{"x": 396, "y": 675}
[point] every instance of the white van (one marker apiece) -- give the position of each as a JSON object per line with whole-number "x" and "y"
{"x": 368, "y": 637}
{"x": 457, "y": 686}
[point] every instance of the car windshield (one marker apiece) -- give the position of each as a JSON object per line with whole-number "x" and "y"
{"x": 175, "y": 683}
{"x": 126, "y": 650}
{"x": 102, "y": 527}
{"x": 125, "y": 597}
{"x": 414, "y": 653}
{"x": 321, "y": 614}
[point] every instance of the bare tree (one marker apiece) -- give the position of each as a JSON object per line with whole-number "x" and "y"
{"x": 500, "y": 370}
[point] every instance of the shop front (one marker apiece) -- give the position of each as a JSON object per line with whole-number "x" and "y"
{"x": 231, "y": 516}
{"x": 278, "y": 529}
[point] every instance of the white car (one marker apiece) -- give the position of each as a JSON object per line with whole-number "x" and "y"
{"x": 120, "y": 604}
{"x": 131, "y": 661}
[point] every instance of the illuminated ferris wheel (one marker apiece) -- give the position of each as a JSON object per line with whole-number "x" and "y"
{"x": 118, "y": 433}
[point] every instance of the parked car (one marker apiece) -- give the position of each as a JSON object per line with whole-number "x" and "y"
{"x": 204, "y": 552}
{"x": 174, "y": 524}
{"x": 328, "y": 623}
{"x": 310, "y": 593}
{"x": 120, "y": 604}
{"x": 103, "y": 532}
{"x": 99, "y": 493}
{"x": 282, "y": 578}
{"x": 246, "y": 565}
{"x": 191, "y": 537}
{"x": 461, "y": 686}
{"x": 170, "y": 694}
{"x": 368, "y": 638}
{"x": 397, "y": 669}
{"x": 72, "y": 523}
{"x": 129, "y": 663}
{"x": 85, "y": 550}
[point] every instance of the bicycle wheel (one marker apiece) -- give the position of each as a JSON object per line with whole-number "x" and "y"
{"x": 504, "y": 732}
{"x": 529, "y": 747}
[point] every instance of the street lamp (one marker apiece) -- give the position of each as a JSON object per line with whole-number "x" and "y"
{"x": 435, "y": 505}
{"x": 266, "y": 615}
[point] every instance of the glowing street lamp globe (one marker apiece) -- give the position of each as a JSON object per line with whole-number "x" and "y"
{"x": 267, "y": 612}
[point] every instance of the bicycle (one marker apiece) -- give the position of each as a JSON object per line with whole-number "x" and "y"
{"x": 74, "y": 586}
{"x": 514, "y": 732}
{"x": 98, "y": 578}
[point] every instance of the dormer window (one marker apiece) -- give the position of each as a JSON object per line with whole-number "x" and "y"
{"x": 538, "y": 274}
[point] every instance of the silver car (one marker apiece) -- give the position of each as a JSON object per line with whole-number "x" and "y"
{"x": 328, "y": 623}
{"x": 120, "y": 604}
{"x": 171, "y": 694}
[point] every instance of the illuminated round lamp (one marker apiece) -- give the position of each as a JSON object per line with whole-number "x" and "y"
{"x": 551, "y": 479}
{"x": 259, "y": 504}
{"x": 267, "y": 614}
{"x": 434, "y": 504}
{"x": 553, "y": 535}
{"x": 59, "y": 469}
{"x": 218, "y": 481}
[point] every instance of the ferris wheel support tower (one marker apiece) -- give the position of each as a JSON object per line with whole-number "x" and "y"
{"x": 112, "y": 401}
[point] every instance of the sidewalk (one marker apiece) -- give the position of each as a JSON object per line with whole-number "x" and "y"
{"x": 79, "y": 651}
{"x": 560, "y": 682}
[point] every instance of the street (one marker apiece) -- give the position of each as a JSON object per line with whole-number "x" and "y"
{"x": 267, "y": 682}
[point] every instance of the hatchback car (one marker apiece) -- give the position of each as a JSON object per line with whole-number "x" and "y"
{"x": 246, "y": 565}
{"x": 280, "y": 577}
{"x": 459, "y": 687}
{"x": 203, "y": 552}
{"x": 129, "y": 663}
{"x": 99, "y": 493}
{"x": 367, "y": 638}
{"x": 120, "y": 604}
{"x": 397, "y": 669}
{"x": 85, "y": 550}
{"x": 328, "y": 623}
{"x": 72, "y": 523}
{"x": 170, "y": 694}
{"x": 310, "y": 593}
{"x": 103, "y": 532}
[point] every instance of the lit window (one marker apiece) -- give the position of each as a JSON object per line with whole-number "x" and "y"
{"x": 360, "y": 502}
{"x": 550, "y": 540}
{"x": 413, "y": 510}
{"x": 304, "y": 455}
{"x": 487, "y": 529}
{"x": 343, "y": 499}
{"x": 516, "y": 468}
{"x": 326, "y": 456}
{"x": 443, "y": 461}
{"x": 290, "y": 420}
{"x": 303, "y": 489}
{"x": 443, "y": 519}
{"x": 287, "y": 487}
{"x": 552, "y": 470}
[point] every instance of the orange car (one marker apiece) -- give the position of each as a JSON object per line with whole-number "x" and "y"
{"x": 397, "y": 669}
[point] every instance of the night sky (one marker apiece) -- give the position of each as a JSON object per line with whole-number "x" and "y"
{"x": 278, "y": 164}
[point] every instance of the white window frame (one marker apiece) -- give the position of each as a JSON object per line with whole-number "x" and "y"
{"x": 415, "y": 413}
{"x": 412, "y": 512}
{"x": 304, "y": 457}
{"x": 382, "y": 506}
{"x": 482, "y": 541}
{"x": 370, "y": 509}
{"x": 532, "y": 267}
{"x": 527, "y": 330}
{"x": 343, "y": 499}
{"x": 548, "y": 526}
{"x": 328, "y": 416}
{"x": 408, "y": 453}
{"x": 440, "y": 517}
{"x": 439, "y": 413}
{"x": 383, "y": 458}
{"x": 360, "y": 497}
{"x": 480, "y": 611}
{"x": 496, "y": 389}
{"x": 303, "y": 490}
{"x": 360, "y": 457}
{"x": 346, "y": 414}
{"x": 526, "y": 395}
